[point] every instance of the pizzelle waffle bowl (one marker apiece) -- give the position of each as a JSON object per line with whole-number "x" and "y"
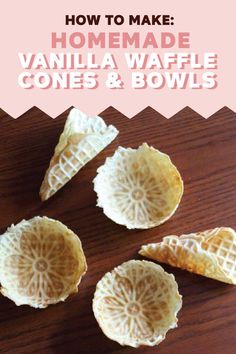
{"x": 82, "y": 139}
{"x": 211, "y": 253}
{"x": 137, "y": 303}
{"x": 139, "y": 188}
{"x": 41, "y": 262}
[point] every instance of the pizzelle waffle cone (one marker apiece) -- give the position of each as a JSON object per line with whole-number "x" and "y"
{"x": 137, "y": 303}
{"x": 82, "y": 139}
{"x": 139, "y": 188}
{"x": 211, "y": 253}
{"x": 41, "y": 262}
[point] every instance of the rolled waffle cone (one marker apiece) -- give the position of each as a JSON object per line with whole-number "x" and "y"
{"x": 82, "y": 139}
{"x": 41, "y": 262}
{"x": 211, "y": 253}
{"x": 138, "y": 188}
{"x": 137, "y": 303}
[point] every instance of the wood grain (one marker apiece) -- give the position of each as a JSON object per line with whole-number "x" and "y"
{"x": 204, "y": 152}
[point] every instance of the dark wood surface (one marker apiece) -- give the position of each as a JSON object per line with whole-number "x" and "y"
{"x": 204, "y": 152}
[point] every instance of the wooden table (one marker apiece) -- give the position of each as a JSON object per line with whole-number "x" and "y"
{"x": 205, "y": 153}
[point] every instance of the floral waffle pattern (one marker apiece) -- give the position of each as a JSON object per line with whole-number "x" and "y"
{"x": 136, "y": 304}
{"x": 42, "y": 262}
{"x": 138, "y": 188}
{"x": 211, "y": 253}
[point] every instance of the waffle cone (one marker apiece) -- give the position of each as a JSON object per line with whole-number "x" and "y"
{"x": 211, "y": 253}
{"x": 82, "y": 139}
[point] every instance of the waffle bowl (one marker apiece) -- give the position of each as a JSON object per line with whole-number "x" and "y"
{"x": 82, "y": 139}
{"x": 211, "y": 253}
{"x": 137, "y": 303}
{"x": 41, "y": 262}
{"x": 138, "y": 188}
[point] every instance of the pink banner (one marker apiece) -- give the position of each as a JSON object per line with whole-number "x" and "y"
{"x": 127, "y": 54}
